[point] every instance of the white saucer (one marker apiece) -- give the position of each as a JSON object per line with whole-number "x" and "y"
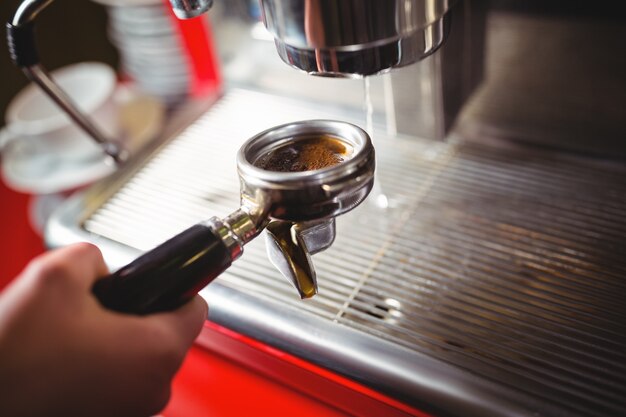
{"x": 141, "y": 118}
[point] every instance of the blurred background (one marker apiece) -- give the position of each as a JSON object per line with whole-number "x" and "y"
{"x": 66, "y": 35}
{"x": 68, "y": 31}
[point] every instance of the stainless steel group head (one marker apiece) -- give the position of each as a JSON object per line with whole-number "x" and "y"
{"x": 355, "y": 38}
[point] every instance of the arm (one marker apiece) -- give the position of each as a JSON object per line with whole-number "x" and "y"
{"x": 62, "y": 353}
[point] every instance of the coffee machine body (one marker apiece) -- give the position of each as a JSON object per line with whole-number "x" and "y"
{"x": 491, "y": 283}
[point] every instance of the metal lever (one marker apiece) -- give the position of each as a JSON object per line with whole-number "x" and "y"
{"x": 23, "y": 51}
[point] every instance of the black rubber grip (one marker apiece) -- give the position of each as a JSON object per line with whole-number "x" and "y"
{"x": 167, "y": 276}
{"x": 21, "y": 43}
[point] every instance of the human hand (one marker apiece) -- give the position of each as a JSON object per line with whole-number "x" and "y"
{"x": 62, "y": 353}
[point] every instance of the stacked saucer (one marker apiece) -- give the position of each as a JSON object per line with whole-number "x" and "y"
{"x": 144, "y": 33}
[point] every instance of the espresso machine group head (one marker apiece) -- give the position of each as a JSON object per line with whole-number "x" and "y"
{"x": 348, "y": 38}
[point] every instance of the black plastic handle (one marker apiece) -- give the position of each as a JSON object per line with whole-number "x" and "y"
{"x": 167, "y": 276}
{"x": 21, "y": 32}
{"x": 21, "y": 44}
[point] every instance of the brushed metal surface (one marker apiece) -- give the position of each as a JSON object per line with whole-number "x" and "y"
{"x": 493, "y": 285}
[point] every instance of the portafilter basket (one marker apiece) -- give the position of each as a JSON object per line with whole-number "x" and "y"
{"x": 295, "y": 199}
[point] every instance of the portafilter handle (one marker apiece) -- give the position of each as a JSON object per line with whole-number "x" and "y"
{"x": 23, "y": 51}
{"x": 172, "y": 273}
{"x": 167, "y": 276}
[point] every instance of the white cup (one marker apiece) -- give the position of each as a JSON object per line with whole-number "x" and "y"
{"x": 38, "y": 126}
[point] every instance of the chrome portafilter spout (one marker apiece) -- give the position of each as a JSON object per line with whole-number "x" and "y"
{"x": 295, "y": 179}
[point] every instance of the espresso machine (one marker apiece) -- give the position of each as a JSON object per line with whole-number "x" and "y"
{"x": 488, "y": 279}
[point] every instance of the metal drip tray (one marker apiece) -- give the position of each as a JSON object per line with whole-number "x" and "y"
{"x": 493, "y": 284}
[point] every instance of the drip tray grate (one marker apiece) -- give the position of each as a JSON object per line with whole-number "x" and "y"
{"x": 506, "y": 263}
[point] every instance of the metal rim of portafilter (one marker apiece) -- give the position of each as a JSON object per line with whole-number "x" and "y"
{"x": 297, "y": 209}
{"x": 306, "y": 195}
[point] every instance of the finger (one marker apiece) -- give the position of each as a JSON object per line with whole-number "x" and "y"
{"x": 185, "y": 322}
{"x": 80, "y": 264}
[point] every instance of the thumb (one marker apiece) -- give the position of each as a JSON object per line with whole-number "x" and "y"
{"x": 80, "y": 264}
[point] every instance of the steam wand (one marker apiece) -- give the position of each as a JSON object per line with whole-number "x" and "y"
{"x": 23, "y": 51}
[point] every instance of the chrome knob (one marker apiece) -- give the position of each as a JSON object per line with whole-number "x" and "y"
{"x": 187, "y": 9}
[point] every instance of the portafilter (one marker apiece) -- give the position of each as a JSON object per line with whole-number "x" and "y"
{"x": 294, "y": 180}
